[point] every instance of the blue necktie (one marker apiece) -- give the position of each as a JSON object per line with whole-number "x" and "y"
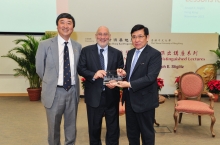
{"x": 66, "y": 69}
{"x": 102, "y": 61}
{"x": 133, "y": 63}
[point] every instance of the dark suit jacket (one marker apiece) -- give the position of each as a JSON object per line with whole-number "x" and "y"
{"x": 144, "y": 92}
{"x": 89, "y": 64}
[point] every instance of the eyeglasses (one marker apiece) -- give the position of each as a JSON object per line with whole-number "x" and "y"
{"x": 104, "y": 34}
{"x": 135, "y": 37}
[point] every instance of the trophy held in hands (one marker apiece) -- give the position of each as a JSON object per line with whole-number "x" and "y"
{"x": 111, "y": 75}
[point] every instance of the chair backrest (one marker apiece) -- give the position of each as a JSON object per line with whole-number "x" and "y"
{"x": 191, "y": 85}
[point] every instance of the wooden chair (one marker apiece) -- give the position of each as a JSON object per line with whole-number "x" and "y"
{"x": 188, "y": 99}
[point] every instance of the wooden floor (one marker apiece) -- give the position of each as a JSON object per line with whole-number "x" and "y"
{"x": 24, "y": 123}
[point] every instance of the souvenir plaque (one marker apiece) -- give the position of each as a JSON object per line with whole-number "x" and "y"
{"x": 111, "y": 75}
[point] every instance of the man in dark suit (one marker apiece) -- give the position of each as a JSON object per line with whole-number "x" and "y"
{"x": 140, "y": 93}
{"x": 101, "y": 99}
{"x": 59, "y": 97}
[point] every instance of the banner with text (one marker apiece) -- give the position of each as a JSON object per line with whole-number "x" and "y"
{"x": 180, "y": 53}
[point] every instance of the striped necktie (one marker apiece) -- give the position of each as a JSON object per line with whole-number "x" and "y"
{"x": 101, "y": 57}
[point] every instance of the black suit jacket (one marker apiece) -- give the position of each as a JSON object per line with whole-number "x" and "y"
{"x": 144, "y": 91}
{"x": 89, "y": 64}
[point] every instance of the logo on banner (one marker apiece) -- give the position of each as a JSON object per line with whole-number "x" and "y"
{"x": 89, "y": 40}
{"x": 164, "y": 41}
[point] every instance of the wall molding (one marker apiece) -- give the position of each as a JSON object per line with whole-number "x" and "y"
{"x": 13, "y": 94}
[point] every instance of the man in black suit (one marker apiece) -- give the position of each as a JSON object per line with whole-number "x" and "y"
{"x": 101, "y": 99}
{"x": 140, "y": 93}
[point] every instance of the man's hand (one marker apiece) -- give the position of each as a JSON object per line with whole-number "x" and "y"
{"x": 123, "y": 84}
{"x": 121, "y": 72}
{"x": 111, "y": 84}
{"x": 99, "y": 74}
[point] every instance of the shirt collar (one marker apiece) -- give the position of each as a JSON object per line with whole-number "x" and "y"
{"x": 105, "y": 48}
{"x": 61, "y": 40}
{"x": 141, "y": 49}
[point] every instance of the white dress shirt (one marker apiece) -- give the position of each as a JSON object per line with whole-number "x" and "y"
{"x": 105, "y": 54}
{"x": 71, "y": 58}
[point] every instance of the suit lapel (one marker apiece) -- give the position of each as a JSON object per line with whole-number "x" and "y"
{"x": 95, "y": 57}
{"x": 110, "y": 57}
{"x": 75, "y": 54}
{"x": 129, "y": 61}
{"x": 54, "y": 48}
{"x": 141, "y": 59}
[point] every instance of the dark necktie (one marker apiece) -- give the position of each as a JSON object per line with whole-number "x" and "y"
{"x": 102, "y": 61}
{"x": 133, "y": 63}
{"x": 66, "y": 69}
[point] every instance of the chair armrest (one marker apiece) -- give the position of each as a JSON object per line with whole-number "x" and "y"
{"x": 211, "y": 96}
{"x": 176, "y": 94}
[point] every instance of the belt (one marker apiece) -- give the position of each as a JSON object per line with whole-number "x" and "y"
{"x": 58, "y": 86}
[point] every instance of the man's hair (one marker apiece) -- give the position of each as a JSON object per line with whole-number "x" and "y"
{"x": 140, "y": 27}
{"x": 66, "y": 15}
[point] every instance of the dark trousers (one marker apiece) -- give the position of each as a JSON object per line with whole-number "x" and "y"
{"x": 139, "y": 124}
{"x": 95, "y": 116}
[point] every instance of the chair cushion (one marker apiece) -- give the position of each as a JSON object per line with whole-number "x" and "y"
{"x": 195, "y": 107}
